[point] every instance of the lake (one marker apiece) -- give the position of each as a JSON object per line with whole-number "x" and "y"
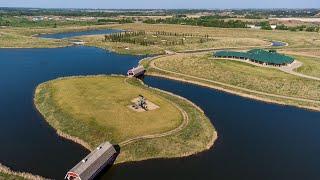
{"x": 80, "y": 33}
{"x": 256, "y": 140}
{"x": 27, "y": 142}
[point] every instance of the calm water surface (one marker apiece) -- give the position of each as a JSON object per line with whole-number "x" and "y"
{"x": 81, "y": 33}
{"x": 278, "y": 44}
{"x": 27, "y": 142}
{"x": 256, "y": 140}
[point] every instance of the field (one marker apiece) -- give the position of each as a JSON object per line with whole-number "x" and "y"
{"x": 8, "y": 40}
{"x": 310, "y": 59}
{"x": 218, "y": 38}
{"x": 158, "y": 44}
{"x": 309, "y": 52}
{"x": 295, "y": 39}
{"x": 311, "y": 65}
{"x": 95, "y": 109}
{"x": 24, "y": 37}
{"x": 241, "y": 75}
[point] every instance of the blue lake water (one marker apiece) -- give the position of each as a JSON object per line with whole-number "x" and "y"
{"x": 27, "y": 142}
{"x": 256, "y": 140}
{"x": 80, "y": 33}
{"x": 278, "y": 44}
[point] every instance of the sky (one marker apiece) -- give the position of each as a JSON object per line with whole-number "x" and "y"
{"x": 161, "y": 4}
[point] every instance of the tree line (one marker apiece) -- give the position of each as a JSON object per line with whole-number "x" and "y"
{"x": 138, "y": 37}
{"x": 206, "y": 21}
{"x": 24, "y": 22}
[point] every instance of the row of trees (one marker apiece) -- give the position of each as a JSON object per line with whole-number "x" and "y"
{"x": 207, "y": 21}
{"x": 24, "y": 22}
{"x": 299, "y": 28}
{"x": 211, "y": 21}
{"x": 138, "y": 37}
{"x": 128, "y": 37}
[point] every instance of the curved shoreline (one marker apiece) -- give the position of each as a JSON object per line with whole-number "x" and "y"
{"x": 181, "y": 79}
{"x": 6, "y": 170}
{"x": 174, "y": 131}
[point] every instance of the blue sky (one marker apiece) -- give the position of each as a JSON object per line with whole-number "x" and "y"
{"x": 171, "y": 4}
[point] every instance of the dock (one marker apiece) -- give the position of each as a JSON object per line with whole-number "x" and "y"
{"x": 94, "y": 163}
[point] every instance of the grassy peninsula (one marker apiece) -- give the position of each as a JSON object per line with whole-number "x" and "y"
{"x": 95, "y": 109}
{"x": 244, "y": 79}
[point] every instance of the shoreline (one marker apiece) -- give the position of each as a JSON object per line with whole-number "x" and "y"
{"x": 232, "y": 92}
{"x": 150, "y": 62}
{"x": 174, "y": 131}
{"x": 7, "y": 170}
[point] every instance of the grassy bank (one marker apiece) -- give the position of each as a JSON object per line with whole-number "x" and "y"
{"x": 7, "y": 174}
{"x": 4, "y": 176}
{"x": 241, "y": 78}
{"x": 24, "y": 37}
{"x": 10, "y": 40}
{"x": 95, "y": 109}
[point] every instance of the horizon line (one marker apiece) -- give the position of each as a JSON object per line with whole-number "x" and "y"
{"x": 208, "y": 9}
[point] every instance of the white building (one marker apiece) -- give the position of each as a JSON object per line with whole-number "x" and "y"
{"x": 252, "y": 26}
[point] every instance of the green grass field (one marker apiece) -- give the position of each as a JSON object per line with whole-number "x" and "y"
{"x": 95, "y": 110}
{"x": 310, "y": 59}
{"x": 9, "y": 40}
{"x": 23, "y": 37}
{"x": 295, "y": 39}
{"x": 162, "y": 43}
{"x": 4, "y": 176}
{"x": 311, "y": 65}
{"x": 242, "y": 75}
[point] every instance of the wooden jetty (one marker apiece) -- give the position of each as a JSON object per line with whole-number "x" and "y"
{"x": 136, "y": 71}
{"x": 91, "y": 165}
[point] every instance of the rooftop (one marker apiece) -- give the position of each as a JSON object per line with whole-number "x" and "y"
{"x": 269, "y": 57}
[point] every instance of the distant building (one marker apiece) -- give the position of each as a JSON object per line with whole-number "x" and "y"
{"x": 258, "y": 56}
{"x": 137, "y": 71}
{"x": 91, "y": 165}
{"x": 273, "y": 26}
{"x": 252, "y": 26}
{"x": 38, "y": 18}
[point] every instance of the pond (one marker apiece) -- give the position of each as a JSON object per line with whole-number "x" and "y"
{"x": 80, "y": 33}
{"x": 278, "y": 44}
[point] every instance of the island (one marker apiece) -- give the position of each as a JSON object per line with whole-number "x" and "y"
{"x": 94, "y": 109}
